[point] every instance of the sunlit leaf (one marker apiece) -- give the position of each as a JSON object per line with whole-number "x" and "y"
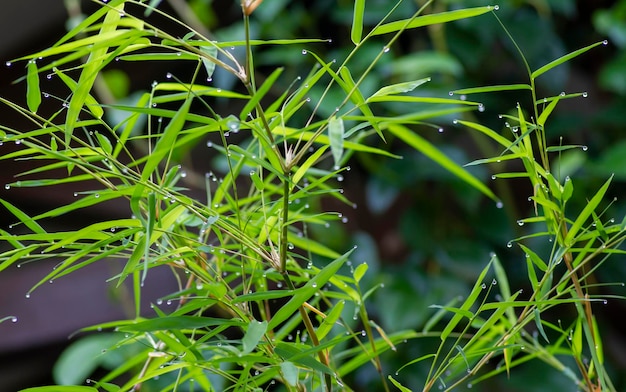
{"x": 427, "y": 20}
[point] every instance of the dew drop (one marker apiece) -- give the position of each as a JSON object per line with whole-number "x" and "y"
{"x": 7, "y": 186}
{"x": 8, "y": 63}
{"x": 469, "y": 386}
{"x": 97, "y": 195}
{"x": 585, "y": 94}
{"x": 481, "y": 108}
{"x": 562, "y": 94}
{"x": 584, "y": 148}
{"x": 455, "y": 121}
{"x": 483, "y": 286}
{"x": 14, "y": 319}
{"x": 605, "y": 42}
{"x": 440, "y": 130}
{"x": 344, "y": 220}
{"x": 463, "y": 97}
{"x": 363, "y": 333}
{"x": 340, "y": 178}
{"x": 168, "y": 75}
{"x": 493, "y": 177}
{"x": 496, "y": 7}
{"x": 304, "y": 51}
{"x": 209, "y": 144}
{"x": 27, "y": 295}
{"x": 499, "y": 204}
{"x": 509, "y": 244}
{"x": 46, "y": 95}
{"x": 386, "y": 49}
{"x": 451, "y": 93}
{"x": 520, "y": 222}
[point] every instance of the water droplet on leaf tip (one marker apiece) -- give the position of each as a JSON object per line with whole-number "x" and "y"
{"x": 496, "y": 7}
{"x": 562, "y": 93}
{"x": 8, "y": 63}
{"x": 7, "y": 186}
{"x": 386, "y": 49}
{"x": 440, "y": 130}
{"x": 168, "y": 75}
{"x": 520, "y": 222}
{"x": 585, "y": 148}
{"x": 585, "y": 94}
{"x": 451, "y": 93}
{"x": 455, "y": 121}
{"x": 509, "y": 244}
{"x": 304, "y": 51}
{"x": 14, "y": 319}
{"x": 499, "y": 204}
{"x": 605, "y": 42}
{"x": 493, "y": 177}
{"x": 27, "y": 295}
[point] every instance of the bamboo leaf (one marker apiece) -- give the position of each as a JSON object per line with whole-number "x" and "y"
{"x": 357, "y": 21}
{"x": 335, "y": 135}
{"x": 310, "y": 161}
{"x": 398, "y": 385}
{"x": 254, "y": 334}
{"x": 25, "y": 219}
{"x": 308, "y": 290}
{"x": 329, "y": 322}
{"x": 586, "y": 212}
{"x": 541, "y": 120}
{"x": 259, "y": 94}
{"x": 208, "y": 60}
{"x": 427, "y": 20}
{"x": 61, "y": 388}
{"x": 399, "y": 88}
{"x": 469, "y": 302}
{"x": 90, "y": 70}
{"x": 422, "y": 145}
{"x": 169, "y": 323}
{"x": 564, "y": 59}
{"x": 490, "y": 89}
{"x": 33, "y": 92}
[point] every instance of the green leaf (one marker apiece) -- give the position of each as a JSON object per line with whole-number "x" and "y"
{"x": 208, "y": 60}
{"x": 82, "y": 357}
{"x": 105, "y": 143}
{"x": 586, "y": 212}
{"x": 541, "y": 120}
{"x": 254, "y": 334}
{"x": 400, "y": 88}
{"x": 310, "y": 161}
{"x": 422, "y": 145}
{"x": 259, "y": 94}
{"x": 33, "y": 92}
{"x": 25, "y": 219}
{"x": 290, "y": 372}
{"x": 427, "y": 20}
{"x": 359, "y": 271}
{"x": 331, "y": 318}
{"x": 539, "y": 324}
{"x": 490, "y": 89}
{"x": 469, "y": 302}
{"x": 335, "y": 135}
{"x": 398, "y": 385}
{"x": 169, "y": 323}
{"x": 357, "y": 21}
{"x": 308, "y": 290}
{"x": 564, "y": 59}
{"x": 91, "y": 69}
{"x": 58, "y": 388}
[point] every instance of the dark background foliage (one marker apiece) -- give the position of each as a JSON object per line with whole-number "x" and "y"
{"x": 424, "y": 234}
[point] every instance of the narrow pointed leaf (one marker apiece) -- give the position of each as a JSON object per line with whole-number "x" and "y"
{"x": 25, "y": 219}
{"x": 254, "y": 334}
{"x": 432, "y": 152}
{"x": 586, "y": 212}
{"x": 400, "y": 88}
{"x": 357, "y": 21}
{"x": 563, "y": 59}
{"x": 33, "y": 92}
{"x": 427, "y": 20}
{"x": 308, "y": 290}
{"x": 335, "y": 135}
